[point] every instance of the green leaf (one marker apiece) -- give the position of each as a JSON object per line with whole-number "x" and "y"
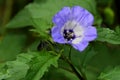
{"x": 11, "y": 45}
{"x": 107, "y": 35}
{"x": 82, "y": 58}
{"x": 113, "y": 74}
{"x": 87, "y": 55}
{"x": 40, "y": 15}
{"x": 40, "y": 65}
{"x": 105, "y": 57}
{"x": 21, "y": 19}
{"x": 16, "y": 70}
{"x": 59, "y": 74}
{"x": 25, "y": 57}
{"x": 39, "y": 1}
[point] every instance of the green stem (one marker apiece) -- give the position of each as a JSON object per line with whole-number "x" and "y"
{"x": 82, "y": 74}
{"x": 73, "y": 68}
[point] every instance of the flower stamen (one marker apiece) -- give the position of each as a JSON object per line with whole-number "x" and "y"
{"x": 68, "y": 34}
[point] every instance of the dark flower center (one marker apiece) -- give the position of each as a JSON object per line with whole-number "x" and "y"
{"x": 68, "y": 34}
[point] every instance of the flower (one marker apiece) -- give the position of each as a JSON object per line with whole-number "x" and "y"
{"x": 74, "y": 26}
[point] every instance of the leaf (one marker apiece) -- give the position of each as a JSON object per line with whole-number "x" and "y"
{"x": 39, "y": 15}
{"x": 11, "y": 45}
{"x": 28, "y": 66}
{"x": 42, "y": 13}
{"x": 59, "y": 74}
{"x": 88, "y": 55}
{"x": 81, "y": 60}
{"x": 113, "y": 74}
{"x": 21, "y": 19}
{"x": 39, "y": 1}
{"x": 40, "y": 65}
{"x": 25, "y": 57}
{"x": 105, "y": 57}
{"x": 16, "y": 70}
{"x": 88, "y": 4}
{"x": 107, "y": 35}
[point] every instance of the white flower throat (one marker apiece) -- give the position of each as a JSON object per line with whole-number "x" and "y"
{"x": 72, "y": 32}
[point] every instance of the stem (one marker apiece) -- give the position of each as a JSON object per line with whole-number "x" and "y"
{"x": 76, "y": 72}
{"x": 72, "y": 67}
{"x": 80, "y": 75}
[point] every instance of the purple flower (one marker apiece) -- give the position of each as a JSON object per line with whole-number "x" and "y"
{"x": 74, "y": 26}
